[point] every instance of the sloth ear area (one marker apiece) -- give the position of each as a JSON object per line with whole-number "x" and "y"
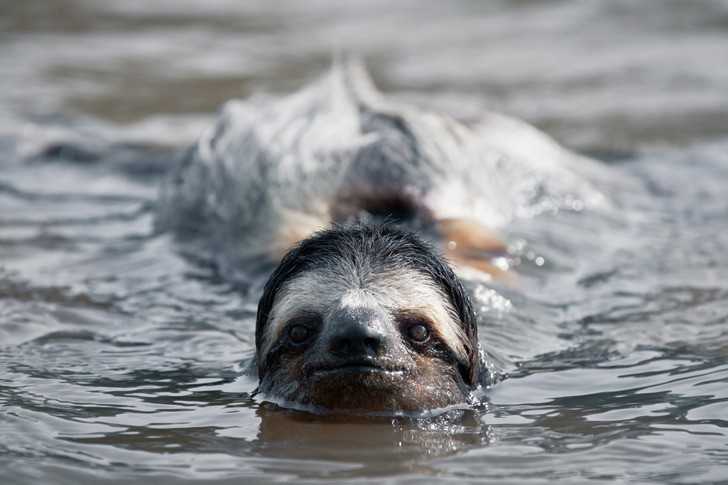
{"x": 469, "y": 245}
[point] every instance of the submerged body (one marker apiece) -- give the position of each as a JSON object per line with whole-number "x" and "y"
{"x": 272, "y": 171}
{"x": 365, "y": 317}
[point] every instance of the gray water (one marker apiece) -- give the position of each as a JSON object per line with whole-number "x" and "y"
{"x": 121, "y": 359}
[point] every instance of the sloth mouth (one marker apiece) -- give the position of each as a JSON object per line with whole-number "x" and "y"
{"x": 360, "y": 366}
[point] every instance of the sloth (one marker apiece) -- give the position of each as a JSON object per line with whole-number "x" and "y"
{"x": 364, "y": 214}
{"x": 366, "y": 317}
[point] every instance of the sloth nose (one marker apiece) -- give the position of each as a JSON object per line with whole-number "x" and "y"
{"x": 356, "y": 334}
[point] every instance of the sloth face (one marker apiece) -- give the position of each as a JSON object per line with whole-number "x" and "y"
{"x": 366, "y": 319}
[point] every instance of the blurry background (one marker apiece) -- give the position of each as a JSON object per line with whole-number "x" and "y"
{"x": 599, "y": 75}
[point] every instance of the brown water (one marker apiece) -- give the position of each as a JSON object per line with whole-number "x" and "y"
{"x": 120, "y": 360}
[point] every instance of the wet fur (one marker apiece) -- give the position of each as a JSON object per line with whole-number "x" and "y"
{"x": 273, "y": 171}
{"x": 362, "y": 258}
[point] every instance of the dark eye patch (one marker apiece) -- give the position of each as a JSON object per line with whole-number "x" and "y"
{"x": 427, "y": 340}
{"x": 301, "y": 329}
{"x": 417, "y": 329}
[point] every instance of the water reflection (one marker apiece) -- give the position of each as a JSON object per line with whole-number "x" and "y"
{"x": 345, "y": 446}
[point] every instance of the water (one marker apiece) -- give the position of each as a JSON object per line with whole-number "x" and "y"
{"x": 120, "y": 359}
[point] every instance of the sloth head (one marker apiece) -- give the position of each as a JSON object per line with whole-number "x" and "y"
{"x": 366, "y": 318}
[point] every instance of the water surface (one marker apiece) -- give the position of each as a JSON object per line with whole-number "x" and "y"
{"x": 120, "y": 359}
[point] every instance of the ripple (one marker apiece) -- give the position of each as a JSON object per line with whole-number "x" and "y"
{"x": 121, "y": 353}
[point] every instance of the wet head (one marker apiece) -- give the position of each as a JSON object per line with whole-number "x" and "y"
{"x": 366, "y": 318}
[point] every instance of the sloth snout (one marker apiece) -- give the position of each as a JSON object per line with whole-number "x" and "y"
{"x": 357, "y": 334}
{"x": 355, "y": 343}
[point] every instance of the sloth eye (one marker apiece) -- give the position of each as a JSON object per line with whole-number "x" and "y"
{"x": 301, "y": 329}
{"x": 417, "y": 329}
{"x": 418, "y": 333}
{"x": 299, "y": 333}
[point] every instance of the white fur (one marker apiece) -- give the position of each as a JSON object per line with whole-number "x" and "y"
{"x": 267, "y": 158}
{"x": 324, "y": 291}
